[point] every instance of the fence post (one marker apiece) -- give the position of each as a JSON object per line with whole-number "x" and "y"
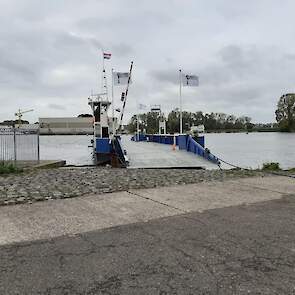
{"x": 38, "y": 143}
{"x": 14, "y": 144}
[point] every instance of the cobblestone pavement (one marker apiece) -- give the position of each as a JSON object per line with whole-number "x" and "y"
{"x": 39, "y": 185}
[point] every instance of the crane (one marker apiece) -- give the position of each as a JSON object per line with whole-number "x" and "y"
{"x": 19, "y": 114}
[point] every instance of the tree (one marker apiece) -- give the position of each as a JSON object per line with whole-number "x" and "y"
{"x": 152, "y": 122}
{"x": 221, "y": 119}
{"x": 198, "y": 118}
{"x": 131, "y": 127}
{"x": 14, "y": 122}
{"x": 230, "y": 122}
{"x": 148, "y": 122}
{"x": 212, "y": 121}
{"x": 173, "y": 121}
{"x": 285, "y": 113}
{"x": 84, "y": 116}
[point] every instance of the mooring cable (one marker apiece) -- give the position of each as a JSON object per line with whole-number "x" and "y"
{"x": 248, "y": 169}
{"x": 235, "y": 166}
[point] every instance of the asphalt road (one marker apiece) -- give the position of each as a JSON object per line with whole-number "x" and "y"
{"x": 235, "y": 250}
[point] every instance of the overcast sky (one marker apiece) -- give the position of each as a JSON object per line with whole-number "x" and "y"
{"x": 243, "y": 52}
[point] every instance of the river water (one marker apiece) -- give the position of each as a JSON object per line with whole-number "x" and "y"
{"x": 253, "y": 149}
{"x": 241, "y": 149}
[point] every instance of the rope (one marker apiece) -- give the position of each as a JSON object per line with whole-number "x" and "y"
{"x": 232, "y": 165}
{"x": 247, "y": 169}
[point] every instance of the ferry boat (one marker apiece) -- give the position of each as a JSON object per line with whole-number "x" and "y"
{"x": 106, "y": 142}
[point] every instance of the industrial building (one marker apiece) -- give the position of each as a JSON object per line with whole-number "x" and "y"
{"x": 66, "y": 126}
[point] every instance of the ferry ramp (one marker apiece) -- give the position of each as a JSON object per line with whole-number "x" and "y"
{"x": 155, "y": 155}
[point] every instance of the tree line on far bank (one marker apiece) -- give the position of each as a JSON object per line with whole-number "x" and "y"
{"x": 149, "y": 122}
{"x": 285, "y": 116}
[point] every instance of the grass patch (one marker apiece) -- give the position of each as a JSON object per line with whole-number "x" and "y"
{"x": 271, "y": 166}
{"x": 7, "y": 168}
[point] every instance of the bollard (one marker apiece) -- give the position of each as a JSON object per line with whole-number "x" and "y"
{"x": 174, "y": 143}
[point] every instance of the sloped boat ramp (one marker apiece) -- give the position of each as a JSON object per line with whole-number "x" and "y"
{"x": 143, "y": 154}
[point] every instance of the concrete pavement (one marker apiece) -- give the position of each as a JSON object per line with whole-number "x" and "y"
{"x": 231, "y": 237}
{"x": 55, "y": 218}
{"x": 244, "y": 249}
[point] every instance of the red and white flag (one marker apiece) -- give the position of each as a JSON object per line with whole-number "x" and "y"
{"x": 107, "y": 55}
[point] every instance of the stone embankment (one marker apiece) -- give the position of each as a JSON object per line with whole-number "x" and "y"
{"x": 46, "y": 184}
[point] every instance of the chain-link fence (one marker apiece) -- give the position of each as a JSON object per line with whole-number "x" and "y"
{"x": 19, "y": 144}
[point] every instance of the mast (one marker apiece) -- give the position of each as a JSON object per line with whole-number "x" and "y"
{"x": 180, "y": 103}
{"x": 113, "y": 107}
{"x": 104, "y": 83}
{"x": 125, "y": 97}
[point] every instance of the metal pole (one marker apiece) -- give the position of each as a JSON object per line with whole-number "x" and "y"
{"x": 105, "y": 84}
{"x": 14, "y": 144}
{"x": 137, "y": 119}
{"x": 137, "y": 123}
{"x": 180, "y": 103}
{"x": 38, "y": 143}
{"x": 113, "y": 107}
{"x": 105, "y": 87}
{"x": 102, "y": 88}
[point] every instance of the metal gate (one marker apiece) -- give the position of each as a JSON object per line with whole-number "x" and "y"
{"x": 19, "y": 144}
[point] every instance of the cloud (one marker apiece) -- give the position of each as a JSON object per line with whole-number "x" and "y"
{"x": 50, "y": 55}
{"x": 164, "y": 76}
{"x": 121, "y": 49}
{"x": 56, "y": 106}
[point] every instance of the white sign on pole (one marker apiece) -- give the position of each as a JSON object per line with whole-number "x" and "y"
{"x": 120, "y": 78}
{"x": 190, "y": 80}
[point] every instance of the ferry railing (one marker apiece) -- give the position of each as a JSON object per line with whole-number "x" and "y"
{"x": 194, "y": 147}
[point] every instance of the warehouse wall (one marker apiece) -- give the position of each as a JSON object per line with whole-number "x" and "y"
{"x": 69, "y": 125}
